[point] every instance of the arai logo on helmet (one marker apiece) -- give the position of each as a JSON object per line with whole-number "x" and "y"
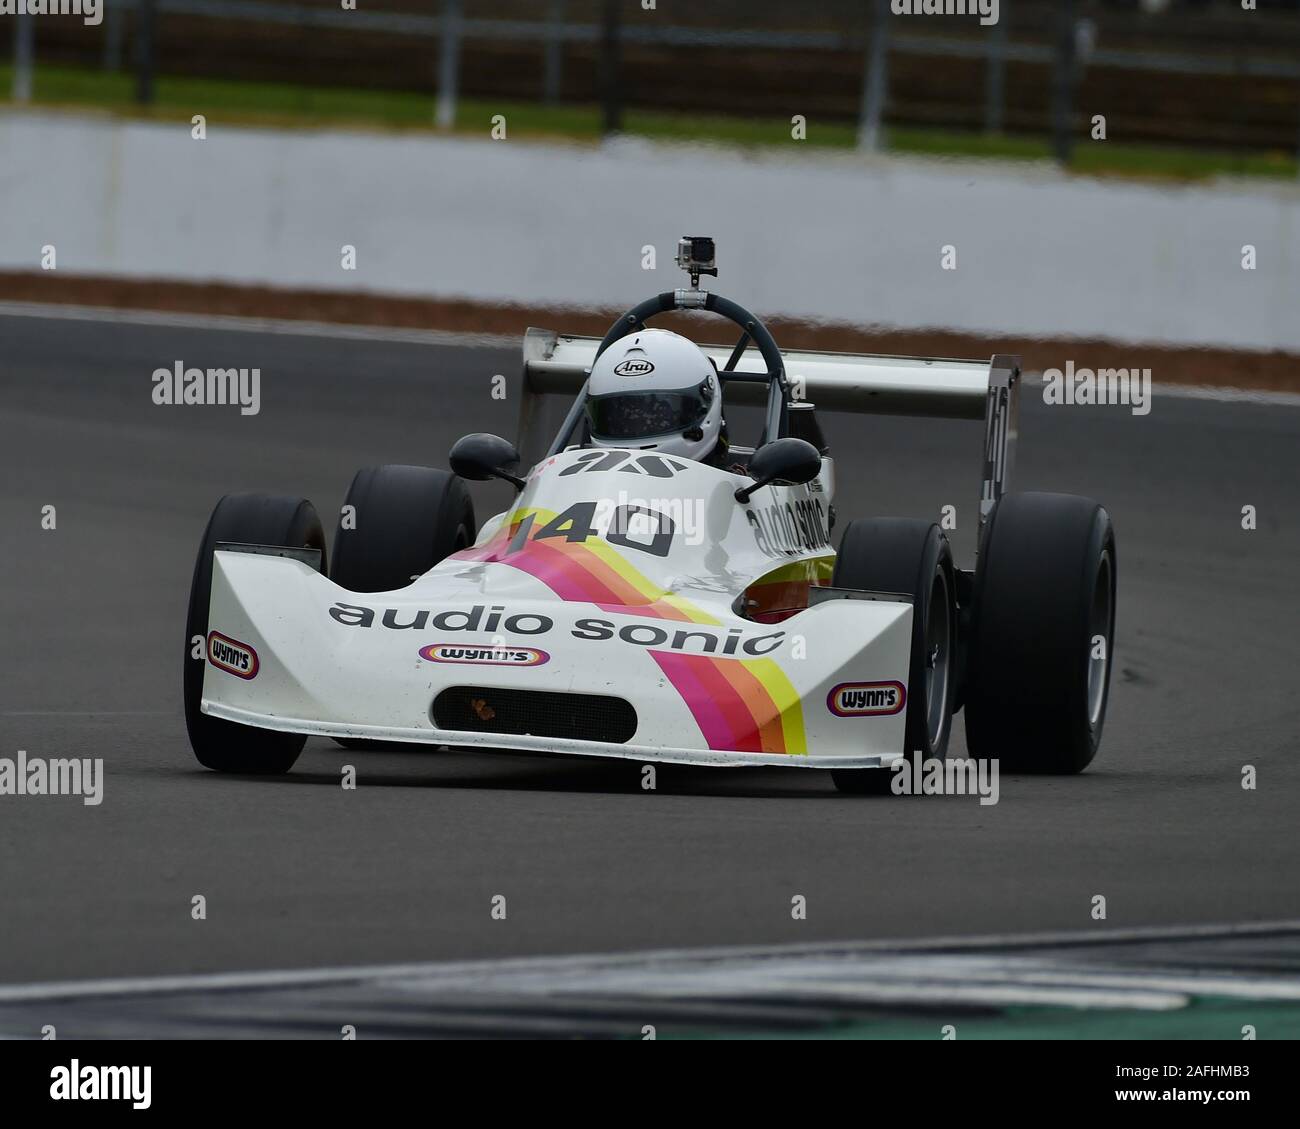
{"x": 232, "y": 656}
{"x": 484, "y": 656}
{"x": 866, "y": 699}
{"x": 634, "y": 366}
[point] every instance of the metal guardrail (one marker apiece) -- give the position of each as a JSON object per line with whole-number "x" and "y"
{"x": 531, "y": 31}
{"x": 668, "y": 35}
{"x": 451, "y": 28}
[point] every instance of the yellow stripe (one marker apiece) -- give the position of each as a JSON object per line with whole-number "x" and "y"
{"x": 606, "y": 555}
{"x": 651, "y": 592}
{"x": 786, "y": 699}
{"x": 696, "y": 615}
{"x": 600, "y": 549}
{"x": 815, "y": 570}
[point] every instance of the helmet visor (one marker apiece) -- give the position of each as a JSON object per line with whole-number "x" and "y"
{"x": 639, "y": 415}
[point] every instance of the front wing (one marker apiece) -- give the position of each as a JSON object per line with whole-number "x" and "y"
{"x": 826, "y": 688}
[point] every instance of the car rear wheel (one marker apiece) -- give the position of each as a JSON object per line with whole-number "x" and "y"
{"x": 250, "y": 519}
{"x": 397, "y": 523}
{"x": 910, "y": 557}
{"x": 1042, "y": 640}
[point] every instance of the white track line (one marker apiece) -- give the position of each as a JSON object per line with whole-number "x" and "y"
{"x": 1204, "y": 392}
{"x": 293, "y": 328}
{"x": 587, "y": 963}
{"x": 283, "y": 326}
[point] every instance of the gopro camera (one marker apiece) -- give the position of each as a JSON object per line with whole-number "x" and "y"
{"x": 697, "y": 254}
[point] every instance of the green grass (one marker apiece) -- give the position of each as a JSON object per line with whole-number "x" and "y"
{"x": 1099, "y": 157}
{"x": 280, "y": 104}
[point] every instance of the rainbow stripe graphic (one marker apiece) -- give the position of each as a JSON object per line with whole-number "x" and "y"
{"x": 589, "y": 572}
{"x": 741, "y": 705}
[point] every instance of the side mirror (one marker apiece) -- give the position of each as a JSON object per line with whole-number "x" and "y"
{"x": 481, "y": 456}
{"x": 786, "y": 460}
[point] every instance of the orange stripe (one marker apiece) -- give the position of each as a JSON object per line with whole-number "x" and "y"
{"x": 558, "y": 570}
{"x": 767, "y": 718}
{"x": 574, "y": 571}
{"x": 624, "y": 591}
{"x": 713, "y": 675}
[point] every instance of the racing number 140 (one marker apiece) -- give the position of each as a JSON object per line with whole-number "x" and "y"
{"x": 576, "y": 524}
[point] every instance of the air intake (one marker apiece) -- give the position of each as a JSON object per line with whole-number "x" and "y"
{"x": 536, "y": 713}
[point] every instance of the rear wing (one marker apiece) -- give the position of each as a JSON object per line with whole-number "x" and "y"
{"x": 844, "y": 382}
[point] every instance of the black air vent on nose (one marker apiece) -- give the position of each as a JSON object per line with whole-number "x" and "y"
{"x": 537, "y": 713}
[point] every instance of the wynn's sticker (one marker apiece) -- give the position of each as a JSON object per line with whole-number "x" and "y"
{"x": 866, "y": 699}
{"x": 231, "y": 655}
{"x": 483, "y": 656}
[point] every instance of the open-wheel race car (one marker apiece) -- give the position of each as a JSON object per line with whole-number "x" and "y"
{"x": 642, "y": 603}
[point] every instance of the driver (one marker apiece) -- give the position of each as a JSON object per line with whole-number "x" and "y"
{"x": 657, "y": 391}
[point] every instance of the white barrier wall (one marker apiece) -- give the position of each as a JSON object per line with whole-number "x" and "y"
{"x": 803, "y": 234}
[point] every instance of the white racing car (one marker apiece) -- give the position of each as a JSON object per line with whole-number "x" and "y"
{"x": 640, "y": 604}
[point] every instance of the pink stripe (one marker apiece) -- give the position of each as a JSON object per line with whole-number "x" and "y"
{"x": 488, "y": 552}
{"x": 564, "y": 576}
{"x": 706, "y": 710}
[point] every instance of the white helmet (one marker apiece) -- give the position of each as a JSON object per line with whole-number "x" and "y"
{"x": 655, "y": 390}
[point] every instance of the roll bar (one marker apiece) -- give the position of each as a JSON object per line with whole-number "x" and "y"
{"x": 558, "y": 364}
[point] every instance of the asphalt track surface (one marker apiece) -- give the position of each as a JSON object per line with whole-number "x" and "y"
{"x": 1185, "y": 982}
{"x": 299, "y": 873}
